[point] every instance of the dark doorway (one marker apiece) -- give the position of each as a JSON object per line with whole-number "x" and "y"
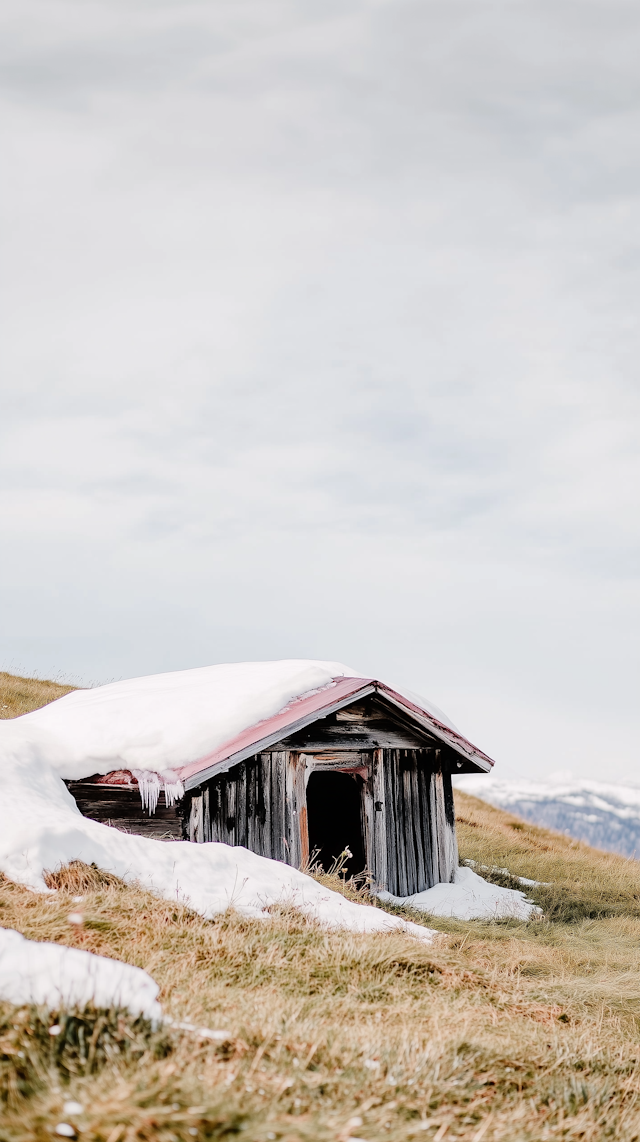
{"x": 334, "y": 809}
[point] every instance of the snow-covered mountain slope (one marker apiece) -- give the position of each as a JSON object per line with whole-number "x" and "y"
{"x": 605, "y": 815}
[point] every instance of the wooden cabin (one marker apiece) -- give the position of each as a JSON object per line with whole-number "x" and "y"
{"x": 354, "y": 766}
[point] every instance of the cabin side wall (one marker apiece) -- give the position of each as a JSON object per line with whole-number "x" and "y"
{"x": 259, "y": 804}
{"x": 408, "y": 813}
{"x": 421, "y": 845}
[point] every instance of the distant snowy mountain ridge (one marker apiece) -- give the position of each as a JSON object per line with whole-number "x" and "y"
{"x": 603, "y": 814}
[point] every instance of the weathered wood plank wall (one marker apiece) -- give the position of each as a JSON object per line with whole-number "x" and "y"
{"x": 408, "y": 815}
{"x": 121, "y": 807}
{"x": 259, "y": 804}
{"x": 421, "y": 848}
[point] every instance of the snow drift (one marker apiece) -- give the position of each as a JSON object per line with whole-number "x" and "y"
{"x": 57, "y": 977}
{"x": 469, "y": 898}
{"x": 165, "y": 721}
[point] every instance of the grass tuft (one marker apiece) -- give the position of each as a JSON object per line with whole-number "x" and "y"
{"x": 78, "y": 877}
{"x": 38, "y": 1046}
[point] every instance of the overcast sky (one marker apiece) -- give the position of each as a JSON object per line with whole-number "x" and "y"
{"x": 320, "y": 339}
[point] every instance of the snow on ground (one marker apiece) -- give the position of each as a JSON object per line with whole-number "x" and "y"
{"x": 57, "y": 977}
{"x": 470, "y": 898}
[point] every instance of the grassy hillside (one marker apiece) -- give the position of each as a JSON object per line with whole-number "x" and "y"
{"x": 20, "y": 695}
{"x": 497, "y": 1031}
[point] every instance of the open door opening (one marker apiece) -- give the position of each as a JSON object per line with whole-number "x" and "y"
{"x": 334, "y": 813}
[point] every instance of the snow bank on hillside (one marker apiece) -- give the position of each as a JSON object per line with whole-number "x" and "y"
{"x": 165, "y": 721}
{"x": 57, "y": 977}
{"x": 41, "y": 828}
{"x": 469, "y": 898}
{"x": 604, "y": 814}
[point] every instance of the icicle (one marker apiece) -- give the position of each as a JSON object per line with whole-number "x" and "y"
{"x": 173, "y": 787}
{"x": 149, "y": 786}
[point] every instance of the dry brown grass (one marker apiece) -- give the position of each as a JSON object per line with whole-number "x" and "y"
{"x": 497, "y": 1032}
{"x": 584, "y": 882}
{"x": 21, "y": 695}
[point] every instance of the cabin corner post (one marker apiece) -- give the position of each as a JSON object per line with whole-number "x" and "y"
{"x": 376, "y": 839}
{"x": 296, "y": 834}
{"x": 445, "y": 844}
{"x": 451, "y": 837}
{"x": 196, "y": 818}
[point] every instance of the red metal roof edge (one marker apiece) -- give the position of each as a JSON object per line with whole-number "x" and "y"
{"x": 300, "y": 708}
{"x": 450, "y": 735}
{"x": 297, "y": 708}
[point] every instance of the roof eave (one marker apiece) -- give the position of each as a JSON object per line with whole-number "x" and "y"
{"x": 262, "y": 744}
{"x": 479, "y": 761}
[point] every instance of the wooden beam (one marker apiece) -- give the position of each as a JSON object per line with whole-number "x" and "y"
{"x": 377, "y": 857}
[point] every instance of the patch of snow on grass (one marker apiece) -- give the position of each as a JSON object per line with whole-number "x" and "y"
{"x": 505, "y": 872}
{"x": 469, "y": 898}
{"x": 53, "y": 976}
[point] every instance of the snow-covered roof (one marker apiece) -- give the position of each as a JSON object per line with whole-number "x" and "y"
{"x": 189, "y": 724}
{"x": 309, "y": 708}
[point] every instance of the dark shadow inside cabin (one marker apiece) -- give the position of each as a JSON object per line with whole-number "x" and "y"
{"x": 334, "y": 813}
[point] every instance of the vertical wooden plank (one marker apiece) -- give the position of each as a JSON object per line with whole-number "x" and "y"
{"x": 200, "y": 826}
{"x": 230, "y": 809}
{"x": 278, "y": 806}
{"x": 418, "y": 822}
{"x": 295, "y": 801}
{"x": 290, "y": 824}
{"x": 393, "y": 815}
{"x": 224, "y": 792}
{"x": 446, "y": 839}
{"x": 412, "y": 832}
{"x": 368, "y": 822}
{"x": 400, "y": 823}
{"x": 390, "y": 799}
{"x": 206, "y": 815}
{"x": 452, "y": 857}
{"x": 377, "y": 856}
{"x": 439, "y": 825}
{"x": 426, "y": 814}
{"x": 403, "y": 824}
{"x": 301, "y": 806}
{"x": 304, "y": 838}
{"x": 193, "y": 818}
{"x": 255, "y": 805}
{"x": 213, "y": 810}
{"x": 196, "y": 823}
{"x": 241, "y": 803}
{"x": 250, "y": 804}
{"x": 265, "y": 805}
{"x": 217, "y": 830}
{"x": 434, "y": 817}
